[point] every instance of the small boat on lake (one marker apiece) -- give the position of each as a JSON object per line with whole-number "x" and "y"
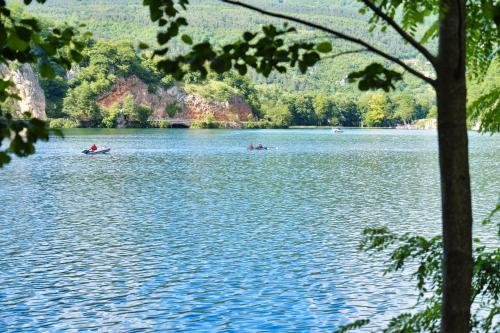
{"x": 337, "y": 130}
{"x": 97, "y": 152}
{"x": 258, "y": 147}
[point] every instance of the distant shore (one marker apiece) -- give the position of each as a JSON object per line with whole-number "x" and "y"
{"x": 66, "y": 123}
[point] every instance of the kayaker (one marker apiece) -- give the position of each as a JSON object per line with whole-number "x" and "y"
{"x": 260, "y": 146}
{"x": 93, "y": 147}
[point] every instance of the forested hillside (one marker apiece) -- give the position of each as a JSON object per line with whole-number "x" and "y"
{"x": 321, "y": 96}
{"x": 208, "y": 19}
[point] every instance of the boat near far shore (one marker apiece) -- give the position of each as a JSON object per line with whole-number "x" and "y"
{"x": 337, "y": 130}
{"x": 97, "y": 152}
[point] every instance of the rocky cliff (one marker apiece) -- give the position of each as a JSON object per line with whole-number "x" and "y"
{"x": 27, "y": 86}
{"x": 184, "y": 106}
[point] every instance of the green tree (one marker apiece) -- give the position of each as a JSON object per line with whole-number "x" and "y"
{"x": 459, "y": 44}
{"x": 424, "y": 104}
{"x": 474, "y": 44}
{"x": 245, "y": 88}
{"x": 134, "y": 112}
{"x": 111, "y": 116}
{"x": 484, "y": 100}
{"x": 405, "y": 107}
{"x": 375, "y": 107}
{"x": 348, "y": 110}
{"x": 80, "y": 103}
{"x": 128, "y": 106}
{"x": 279, "y": 114}
{"x": 142, "y": 114}
{"x": 432, "y": 113}
{"x": 302, "y": 108}
{"x": 324, "y": 109}
{"x": 103, "y": 64}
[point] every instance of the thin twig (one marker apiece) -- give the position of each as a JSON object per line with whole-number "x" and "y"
{"x": 333, "y": 56}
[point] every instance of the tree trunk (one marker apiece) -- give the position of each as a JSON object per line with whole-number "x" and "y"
{"x": 454, "y": 166}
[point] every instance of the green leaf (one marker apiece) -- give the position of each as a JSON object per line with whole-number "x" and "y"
{"x": 324, "y": 47}
{"x": 33, "y": 23}
{"x": 163, "y": 37}
{"x": 46, "y": 70}
{"x": 57, "y": 132}
{"x": 248, "y": 36}
{"x": 186, "y": 39}
{"x": 242, "y": 69}
{"x": 15, "y": 43}
{"x": 4, "y": 158}
{"x": 349, "y": 327}
{"x": 76, "y": 56}
{"x": 375, "y": 76}
{"x": 430, "y": 33}
{"x": 24, "y": 33}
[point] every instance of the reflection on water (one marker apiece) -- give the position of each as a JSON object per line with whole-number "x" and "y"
{"x": 187, "y": 231}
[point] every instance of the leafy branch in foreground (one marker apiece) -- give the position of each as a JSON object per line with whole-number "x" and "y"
{"x": 406, "y": 250}
{"x": 264, "y": 54}
{"x": 486, "y": 109}
{"x": 22, "y": 134}
{"x": 263, "y": 51}
{"x": 354, "y": 325}
{"x": 23, "y": 39}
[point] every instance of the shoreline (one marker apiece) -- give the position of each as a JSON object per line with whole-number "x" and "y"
{"x": 225, "y": 125}
{"x": 246, "y": 128}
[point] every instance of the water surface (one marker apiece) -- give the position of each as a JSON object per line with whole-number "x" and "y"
{"x": 186, "y": 230}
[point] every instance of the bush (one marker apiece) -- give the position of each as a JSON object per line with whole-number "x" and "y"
{"x": 207, "y": 124}
{"x": 142, "y": 114}
{"x": 278, "y": 114}
{"x": 262, "y": 124}
{"x": 63, "y": 123}
{"x": 161, "y": 124}
{"x": 110, "y": 116}
{"x": 126, "y": 114}
{"x": 172, "y": 109}
{"x": 212, "y": 90}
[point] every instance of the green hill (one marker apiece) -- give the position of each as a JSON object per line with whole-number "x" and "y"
{"x": 209, "y": 19}
{"x": 320, "y": 95}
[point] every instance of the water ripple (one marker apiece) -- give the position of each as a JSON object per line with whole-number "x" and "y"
{"x": 187, "y": 231}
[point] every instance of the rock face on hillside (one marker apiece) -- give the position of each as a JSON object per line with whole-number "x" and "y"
{"x": 28, "y": 87}
{"x": 156, "y": 100}
{"x": 187, "y": 106}
{"x": 235, "y": 109}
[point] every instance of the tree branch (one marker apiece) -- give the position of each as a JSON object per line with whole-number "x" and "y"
{"x": 335, "y": 33}
{"x": 400, "y": 31}
{"x": 333, "y": 56}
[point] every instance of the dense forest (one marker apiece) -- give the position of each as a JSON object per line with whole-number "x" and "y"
{"x": 105, "y": 61}
{"x": 320, "y": 97}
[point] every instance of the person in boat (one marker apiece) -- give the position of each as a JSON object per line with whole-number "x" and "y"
{"x": 93, "y": 147}
{"x": 260, "y": 146}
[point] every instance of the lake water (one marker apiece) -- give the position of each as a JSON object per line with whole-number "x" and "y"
{"x": 187, "y": 231}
